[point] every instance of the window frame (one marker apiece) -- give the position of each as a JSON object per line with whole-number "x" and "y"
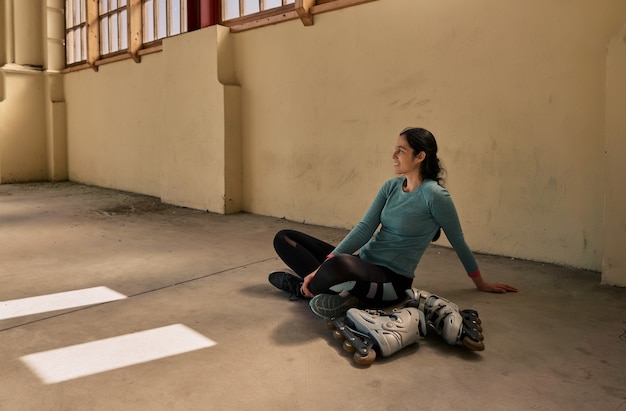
{"x": 263, "y": 12}
{"x": 199, "y": 14}
{"x": 300, "y": 9}
{"x": 135, "y": 25}
{"x": 110, "y": 17}
{"x": 71, "y": 27}
{"x": 153, "y": 25}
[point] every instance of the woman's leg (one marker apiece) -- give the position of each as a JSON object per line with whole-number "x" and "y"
{"x": 375, "y": 285}
{"x": 301, "y": 252}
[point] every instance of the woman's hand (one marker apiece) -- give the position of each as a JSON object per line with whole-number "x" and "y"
{"x": 305, "y": 285}
{"x": 307, "y": 280}
{"x": 482, "y": 285}
{"x": 497, "y": 288}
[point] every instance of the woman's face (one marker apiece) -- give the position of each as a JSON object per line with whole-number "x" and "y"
{"x": 404, "y": 159}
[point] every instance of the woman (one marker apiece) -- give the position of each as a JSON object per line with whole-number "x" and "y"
{"x": 410, "y": 210}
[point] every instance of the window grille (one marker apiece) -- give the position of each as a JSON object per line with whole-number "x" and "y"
{"x": 101, "y": 31}
{"x": 113, "y": 16}
{"x": 75, "y": 31}
{"x": 233, "y": 9}
{"x": 163, "y": 18}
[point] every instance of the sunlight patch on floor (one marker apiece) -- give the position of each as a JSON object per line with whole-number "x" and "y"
{"x": 94, "y": 357}
{"x": 58, "y": 301}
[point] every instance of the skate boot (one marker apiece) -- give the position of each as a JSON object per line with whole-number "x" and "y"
{"x": 456, "y": 327}
{"x": 390, "y": 332}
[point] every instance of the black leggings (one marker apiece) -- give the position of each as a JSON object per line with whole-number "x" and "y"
{"x": 376, "y": 285}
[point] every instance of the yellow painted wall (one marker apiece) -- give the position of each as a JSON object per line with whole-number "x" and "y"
{"x": 22, "y": 125}
{"x": 115, "y": 125}
{"x": 515, "y": 92}
{"x": 614, "y": 261}
{"x": 32, "y": 115}
{"x": 193, "y": 126}
{"x": 157, "y": 127}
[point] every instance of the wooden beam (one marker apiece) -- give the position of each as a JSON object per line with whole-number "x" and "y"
{"x": 135, "y": 23}
{"x": 93, "y": 33}
{"x": 303, "y": 8}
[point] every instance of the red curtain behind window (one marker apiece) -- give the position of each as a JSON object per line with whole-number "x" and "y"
{"x": 202, "y": 13}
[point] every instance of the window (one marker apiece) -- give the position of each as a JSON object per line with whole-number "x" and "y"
{"x": 163, "y": 18}
{"x": 101, "y": 31}
{"x": 76, "y": 31}
{"x": 113, "y": 17}
{"x": 233, "y": 9}
{"x": 98, "y": 31}
{"x": 242, "y": 15}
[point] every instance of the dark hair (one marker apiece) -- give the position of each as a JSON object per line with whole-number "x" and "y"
{"x": 420, "y": 140}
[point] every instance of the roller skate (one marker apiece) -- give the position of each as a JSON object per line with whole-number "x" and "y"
{"x": 360, "y": 344}
{"x": 456, "y": 327}
{"x": 368, "y": 332}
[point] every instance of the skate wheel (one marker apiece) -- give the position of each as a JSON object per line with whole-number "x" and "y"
{"x": 348, "y": 347}
{"x": 367, "y": 359}
{"x": 472, "y": 315}
{"x": 338, "y": 336}
{"x": 330, "y": 325}
{"x": 473, "y": 345}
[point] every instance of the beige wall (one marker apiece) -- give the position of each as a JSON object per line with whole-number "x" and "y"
{"x": 515, "y": 98}
{"x": 115, "y": 125}
{"x": 614, "y": 261}
{"x": 159, "y": 127}
{"x": 23, "y": 150}
{"x": 201, "y": 96}
{"x": 32, "y": 109}
{"x": 515, "y": 92}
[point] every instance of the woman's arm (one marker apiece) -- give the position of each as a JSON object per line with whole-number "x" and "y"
{"x": 362, "y": 232}
{"x": 446, "y": 216}
{"x": 359, "y": 235}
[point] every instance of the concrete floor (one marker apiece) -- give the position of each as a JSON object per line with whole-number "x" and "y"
{"x": 558, "y": 344}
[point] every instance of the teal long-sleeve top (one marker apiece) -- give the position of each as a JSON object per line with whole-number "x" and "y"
{"x": 408, "y": 222}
